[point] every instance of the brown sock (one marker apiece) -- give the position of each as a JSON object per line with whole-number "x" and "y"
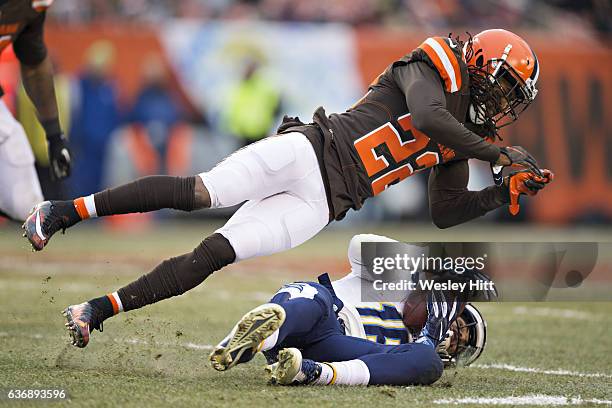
{"x": 147, "y": 194}
{"x": 177, "y": 275}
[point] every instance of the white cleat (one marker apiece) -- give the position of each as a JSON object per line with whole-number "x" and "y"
{"x": 293, "y": 369}
{"x": 242, "y": 343}
{"x": 287, "y": 369}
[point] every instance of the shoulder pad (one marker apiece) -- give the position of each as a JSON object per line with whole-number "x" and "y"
{"x": 41, "y": 5}
{"x": 444, "y": 54}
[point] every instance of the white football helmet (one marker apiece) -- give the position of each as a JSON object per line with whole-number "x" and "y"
{"x": 467, "y": 339}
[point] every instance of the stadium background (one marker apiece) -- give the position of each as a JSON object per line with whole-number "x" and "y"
{"x": 312, "y": 52}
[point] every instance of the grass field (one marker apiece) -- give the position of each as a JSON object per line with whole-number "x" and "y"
{"x": 538, "y": 353}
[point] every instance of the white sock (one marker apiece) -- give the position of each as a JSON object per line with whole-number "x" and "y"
{"x": 269, "y": 341}
{"x": 352, "y": 372}
{"x": 90, "y": 204}
{"x": 85, "y": 207}
{"x": 327, "y": 375}
{"x": 116, "y": 302}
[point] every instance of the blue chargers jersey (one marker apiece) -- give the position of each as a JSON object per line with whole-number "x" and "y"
{"x": 382, "y": 323}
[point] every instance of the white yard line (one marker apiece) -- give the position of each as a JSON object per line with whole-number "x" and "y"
{"x": 195, "y": 346}
{"x": 519, "y": 369}
{"x": 552, "y": 312}
{"x": 544, "y": 400}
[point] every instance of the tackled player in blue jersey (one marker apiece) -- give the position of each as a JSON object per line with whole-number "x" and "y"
{"x": 322, "y": 334}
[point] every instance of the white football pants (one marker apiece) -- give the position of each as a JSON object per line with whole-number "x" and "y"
{"x": 19, "y": 185}
{"x": 280, "y": 179}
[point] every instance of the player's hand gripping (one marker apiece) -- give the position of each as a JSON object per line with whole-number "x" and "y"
{"x": 525, "y": 182}
{"x": 515, "y": 156}
{"x": 441, "y": 313}
{"x": 59, "y": 157}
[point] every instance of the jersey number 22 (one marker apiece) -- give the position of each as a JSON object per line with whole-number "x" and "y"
{"x": 402, "y": 151}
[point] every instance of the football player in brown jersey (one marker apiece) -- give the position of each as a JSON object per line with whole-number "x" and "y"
{"x": 434, "y": 108}
{"x": 21, "y": 24}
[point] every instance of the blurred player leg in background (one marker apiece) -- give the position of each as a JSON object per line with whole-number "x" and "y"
{"x": 311, "y": 325}
{"x": 287, "y": 205}
{"x": 19, "y": 187}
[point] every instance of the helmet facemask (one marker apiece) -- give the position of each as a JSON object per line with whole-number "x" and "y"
{"x": 499, "y": 95}
{"x": 466, "y": 340}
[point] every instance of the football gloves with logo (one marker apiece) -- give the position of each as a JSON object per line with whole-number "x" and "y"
{"x": 525, "y": 182}
{"x": 515, "y": 156}
{"x": 441, "y": 313}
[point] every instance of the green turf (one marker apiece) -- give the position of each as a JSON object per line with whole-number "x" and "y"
{"x": 157, "y": 356}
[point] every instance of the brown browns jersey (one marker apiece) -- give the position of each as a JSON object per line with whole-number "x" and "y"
{"x": 375, "y": 144}
{"x": 21, "y": 24}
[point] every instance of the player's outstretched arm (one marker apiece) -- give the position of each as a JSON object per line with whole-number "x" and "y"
{"x": 37, "y": 77}
{"x": 451, "y": 203}
{"x": 38, "y": 83}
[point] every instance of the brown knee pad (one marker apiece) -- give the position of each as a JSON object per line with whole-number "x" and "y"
{"x": 177, "y": 275}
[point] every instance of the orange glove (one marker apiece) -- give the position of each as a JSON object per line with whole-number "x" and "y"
{"x": 526, "y": 182}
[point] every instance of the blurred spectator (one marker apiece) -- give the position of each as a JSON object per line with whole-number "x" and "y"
{"x": 597, "y": 12}
{"x": 163, "y": 136}
{"x": 95, "y": 117}
{"x": 429, "y": 15}
{"x": 155, "y": 116}
{"x": 252, "y": 107}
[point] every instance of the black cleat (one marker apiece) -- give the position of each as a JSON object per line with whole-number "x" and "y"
{"x": 44, "y": 221}
{"x": 81, "y": 320}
